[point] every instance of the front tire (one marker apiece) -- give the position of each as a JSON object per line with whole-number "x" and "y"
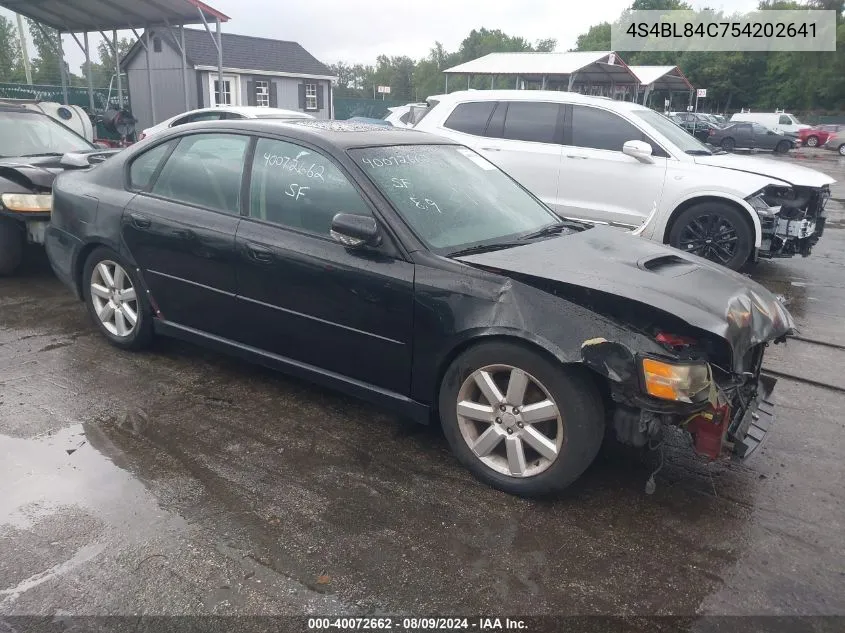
{"x": 783, "y": 147}
{"x": 812, "y": 141}
{"x": 116, "y": 301}
{"x": 11, "y": 246}
{"x": 715, "y": 231}
{"x": 519, "y": 422}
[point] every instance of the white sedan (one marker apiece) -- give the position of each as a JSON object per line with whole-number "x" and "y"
{"x": 223, "y": 112}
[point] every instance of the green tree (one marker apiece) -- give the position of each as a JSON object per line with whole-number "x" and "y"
{"x": 11, "y": 60}
{"x": 597, "y": 38}
{"x": 45, "y": 63}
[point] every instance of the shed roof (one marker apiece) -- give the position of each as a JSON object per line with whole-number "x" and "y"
{"x": 591, "y": 66}
{"x": 107, "y": 15}
{"x": 662, "y": 77}
{"x": 245, "y": 52}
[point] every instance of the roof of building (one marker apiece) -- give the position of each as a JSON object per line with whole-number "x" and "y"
{"x": 590, "y": 66}
{"x": 243, "y": 52}
{"x": 661, "y": 77}
{"x": 106, "y": 15}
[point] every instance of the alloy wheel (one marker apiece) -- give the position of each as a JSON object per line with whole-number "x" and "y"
{"x": 509, "y": 421}
{"x": 711, "y": 236}
{"x": 812, "y": 141}
{"x": 114, "y": 298}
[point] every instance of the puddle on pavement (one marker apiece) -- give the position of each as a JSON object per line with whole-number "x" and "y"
{"x": 43, "y": 474}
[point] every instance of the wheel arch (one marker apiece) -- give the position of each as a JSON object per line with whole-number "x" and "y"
{"x": 547, "y": 351}
{"x": 721, "y": 198}
{"x": 82, "y": 256}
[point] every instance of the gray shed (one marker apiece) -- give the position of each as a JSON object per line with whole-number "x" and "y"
{"x": 256, "y": 71}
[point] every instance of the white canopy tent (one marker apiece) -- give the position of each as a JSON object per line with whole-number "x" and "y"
{"x": 666, "y": 78}
{"x": 573, "y": 71}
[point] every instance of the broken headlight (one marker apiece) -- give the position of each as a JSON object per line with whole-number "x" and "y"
{"x": 27, "y": 202}
{"x": 689, "y": 382}
{"x": 766, "y": 202}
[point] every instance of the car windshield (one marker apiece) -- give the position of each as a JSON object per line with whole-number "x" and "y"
{"x": 34, "y": 134}
{"x": 451, "y": 197}
{"x": 681, "y": 139}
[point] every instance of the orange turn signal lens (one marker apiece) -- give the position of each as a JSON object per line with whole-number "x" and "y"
{"x": 675, "y": 382}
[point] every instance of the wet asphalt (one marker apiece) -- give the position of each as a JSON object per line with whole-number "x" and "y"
{"x": 180, "y": 481}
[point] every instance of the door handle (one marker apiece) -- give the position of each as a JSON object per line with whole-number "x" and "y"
{"x": 259, "y": 253}
{"x": 185, "y": 234}
{"x": 575, "y": 156}
{"x": 140, "y": 221}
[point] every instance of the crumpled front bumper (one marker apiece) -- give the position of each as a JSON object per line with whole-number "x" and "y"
{"x": 750, "y": 428}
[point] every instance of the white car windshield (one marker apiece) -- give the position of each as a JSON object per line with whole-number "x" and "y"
{"x": 30, "y": 134}
{"x": 452, "y": 198}
{"x": 680, "y": 138}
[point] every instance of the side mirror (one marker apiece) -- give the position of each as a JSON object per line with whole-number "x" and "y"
{"x": 639, "y": 150}
{"x": 355, "y": 231}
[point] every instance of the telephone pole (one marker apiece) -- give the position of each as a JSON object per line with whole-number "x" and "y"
{"x": 24, "y": 52}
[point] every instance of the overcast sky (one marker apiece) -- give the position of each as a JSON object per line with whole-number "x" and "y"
{"x": 334, "y": 30}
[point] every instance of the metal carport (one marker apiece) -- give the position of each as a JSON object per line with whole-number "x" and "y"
{"x": 573, "y": 70}
{"x": 88, "y": 16}
{"x": 668, "y": 78}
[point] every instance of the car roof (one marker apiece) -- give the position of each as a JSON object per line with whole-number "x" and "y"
{"x": 536, "y": 95}
{"x": 325, "y": 133}
{"x": 245, "y": 110}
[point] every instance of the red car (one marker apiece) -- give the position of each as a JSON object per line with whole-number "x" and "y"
{"x": 817, "y": 136}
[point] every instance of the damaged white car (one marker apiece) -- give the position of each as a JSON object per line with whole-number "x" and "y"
{"x": 620, "y": 163}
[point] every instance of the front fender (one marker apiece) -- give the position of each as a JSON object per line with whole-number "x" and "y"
{"x": 658, "y": 229}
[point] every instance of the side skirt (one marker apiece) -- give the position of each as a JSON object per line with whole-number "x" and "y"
{"x": 398, "y": 403}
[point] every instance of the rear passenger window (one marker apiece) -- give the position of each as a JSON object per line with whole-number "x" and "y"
{"x": 600, "y": 129}
{"x": 205, "y": 170}
{"x": 535, "y": 122}
{"x": 297, "y": 187}
{"x": 142, "y": 169}
{"x": 470, "y": 118}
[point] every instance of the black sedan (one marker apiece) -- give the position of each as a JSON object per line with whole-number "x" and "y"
{"x": 750, "y": 136}
{"x": 34, "y": 148}
{"x": 409, "y": 270}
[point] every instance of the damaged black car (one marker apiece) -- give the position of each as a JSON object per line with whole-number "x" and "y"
{"x": 410, "y": 271}
{"x": 34, "y": 148}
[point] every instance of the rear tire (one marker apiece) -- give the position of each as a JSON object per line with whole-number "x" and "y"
{"x": 11, "y": 246}
{"x": 728, "y": 144}
{"x": 842, "y": 150}
{"x": 551, "y": 407}
{"x": 115, "y": 300}
{"x": 812, "y": 141}
{"x": 783, "y": 147}
{"x": 731, "y": 239}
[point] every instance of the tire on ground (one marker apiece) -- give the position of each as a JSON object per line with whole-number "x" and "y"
{"x": 783, "y": 147}
{"x": 738, "y": 219}
{"x": 578, "y": 400}
{"x": 11, "y": 246}
{"x": 142, "y": 335}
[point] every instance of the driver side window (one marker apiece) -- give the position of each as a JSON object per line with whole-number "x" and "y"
{"x": 599, "y": 129}
{"x": 297, "y": 187}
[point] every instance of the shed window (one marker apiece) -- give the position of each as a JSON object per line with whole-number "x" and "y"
{"x": 156, "y": 44}
{"x": 262, "y": 94}
{"x": 310, "y": 96}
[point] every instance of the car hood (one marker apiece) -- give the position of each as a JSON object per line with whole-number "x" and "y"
{"x": 39, "y": 172}
{"x": 608, "y": 261}
{"x": 793, "y": 174}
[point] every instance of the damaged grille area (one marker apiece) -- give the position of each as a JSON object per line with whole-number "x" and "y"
{"x": 792, "y": 219}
